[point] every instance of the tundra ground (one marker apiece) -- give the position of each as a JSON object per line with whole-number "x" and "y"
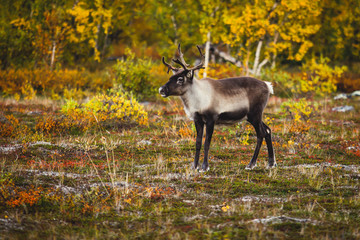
{"x": 136, "y": 182}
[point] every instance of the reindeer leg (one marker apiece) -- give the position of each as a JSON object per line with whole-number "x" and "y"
{"x": 272, "y": 161}
{"x": 199, "y": 125}
{"x": 260, "y": 136}
{"x": 209, "y": 132}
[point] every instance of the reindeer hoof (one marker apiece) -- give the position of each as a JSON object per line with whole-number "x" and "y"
{"x": 250, "y": 167}
{"x": 271, "y": 166}
{"x": 204, "y": 169}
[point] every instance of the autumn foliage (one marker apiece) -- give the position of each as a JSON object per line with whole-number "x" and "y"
{"x": 45, "y": 47}
{"x": 26, "y": 83}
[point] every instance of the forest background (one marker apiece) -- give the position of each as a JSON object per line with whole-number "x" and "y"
{"x": 90, "y": 150}
{"x": 73, "y": 49}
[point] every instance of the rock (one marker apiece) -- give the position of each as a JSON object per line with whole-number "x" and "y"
{"x": 343, "y": 108}
{"x": 346, "y": 96}
{"x": 9, "y": 149}
{"x": 341, "y": 96}
{"x": 145, "y": 142}
{"x": 282, "y": 219}
{"x": 355, "y": 94}
{"x": 34, "y": 113}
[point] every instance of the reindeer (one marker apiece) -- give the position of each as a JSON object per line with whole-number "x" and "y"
{"x": 225, "y": 101}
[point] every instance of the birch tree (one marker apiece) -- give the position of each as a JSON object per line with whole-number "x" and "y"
{"x": 265, "y": 29}
{"x": 47, "y": 32}
{"x": 210, "y": 24}
{"x": 90, "y": 23}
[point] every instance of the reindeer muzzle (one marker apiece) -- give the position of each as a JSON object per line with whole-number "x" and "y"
{"x": 164, "y": 91}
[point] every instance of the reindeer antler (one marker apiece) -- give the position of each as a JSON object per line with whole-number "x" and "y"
{"x": 201, "y": 64}
{"x": 182, "y": 56}
{"x": 182, "y": 62}
{"x": 169, "y": 66}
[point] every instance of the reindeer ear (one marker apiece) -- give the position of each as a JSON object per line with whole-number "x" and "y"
{"x": 189, "y": 74}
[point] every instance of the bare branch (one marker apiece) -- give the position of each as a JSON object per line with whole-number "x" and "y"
{"x": 265, "y": 61}
{"x": 229, "y": 58}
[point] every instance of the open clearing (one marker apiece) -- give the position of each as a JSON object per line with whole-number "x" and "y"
{"x": 136, "y": 182}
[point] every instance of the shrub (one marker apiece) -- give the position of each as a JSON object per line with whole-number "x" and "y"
{"x": 11, "y": 127}
{"x": 158, "y": 76}
{"x": 15, "y": 196}
{"x": 320, "y": 78}
{"x": 120, "y": 107}
{"x": 50, "y": 125}
{"x": 219, "y": 71}
{"x": 317, "y": 78}
{"x": 133, "y": 74}
{"x": 285, "y": 83}
{"x": 299, "y": 112}
{"x": 349, "y": 82}
{"x": 69, "y": 83}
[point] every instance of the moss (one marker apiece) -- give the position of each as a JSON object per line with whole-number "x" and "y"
{"x": 289, "y": 228}
{"x": 146, "y": 204}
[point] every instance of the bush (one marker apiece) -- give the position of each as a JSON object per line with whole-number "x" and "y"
{"x": 11, "y": 127}
{"x": 300, "y": 113}
{"x": 285, "y": 83}
{"x": 117, "y": 108}
{"x": 349, "y": 82}
{"x": 219, "y": 71}
{"x": 317, "y": 79}
{"x": 320, "y": 78}
{"x": 134, "y": 76}
{"x": 69, "y": 83}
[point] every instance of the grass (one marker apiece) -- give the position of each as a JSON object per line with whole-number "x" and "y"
{"x": 136, "y": 182}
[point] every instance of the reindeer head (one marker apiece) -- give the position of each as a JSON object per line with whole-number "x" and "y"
{"x": 182, "y": 78}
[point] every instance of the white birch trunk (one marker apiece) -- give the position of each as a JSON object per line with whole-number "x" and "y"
{"x": 273, "y": 64}
{"x": 53, "y": 51}
{"x": 257, "y": 57}
{"x": 265, "y": 61}
{"x": 176, "y": 42}
{"x": 230, "y": 58}
{"x": 207, "y": 53}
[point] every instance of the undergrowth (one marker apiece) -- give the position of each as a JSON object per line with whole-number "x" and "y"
{"x": 131, "y": 181}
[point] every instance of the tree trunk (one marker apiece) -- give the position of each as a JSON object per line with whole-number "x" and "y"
{"x": 265, "y": 61}
{"x": 104, "y": 45}
{"x": 53, "y": 51}
{"x": 98, "y": 32}
{"x": 257, "y": 57}
{"x": 273, "y": 64}
{"x": 246, "y": 62}
{"x": 175, "y": 26}
{"x": 207, "y": 53}
{"x": 176, "y": 31}
{"x": 229, "y": 58}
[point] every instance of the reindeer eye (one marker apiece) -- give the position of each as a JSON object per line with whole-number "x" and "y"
{"x": 180, "y": 81}
{"x": 188, "y": 75}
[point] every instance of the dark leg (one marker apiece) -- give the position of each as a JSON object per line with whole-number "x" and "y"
{"x": 209, "y": 132}
{"x": 199, "y": 125}
{"x": 260, "y": 136}
{"x": 272, "y": 162}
